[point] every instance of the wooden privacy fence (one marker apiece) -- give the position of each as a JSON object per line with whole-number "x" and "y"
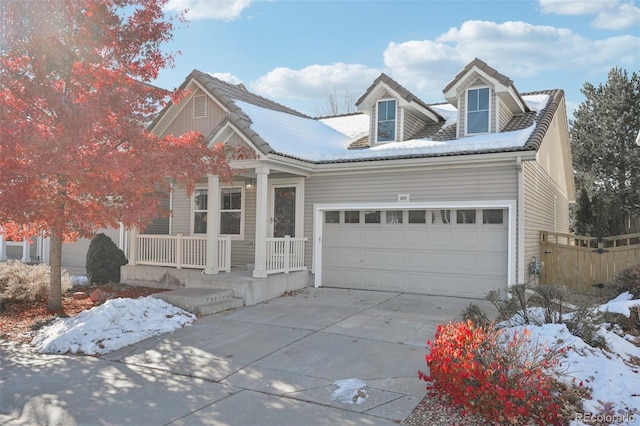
{"x": 581, "y": 263}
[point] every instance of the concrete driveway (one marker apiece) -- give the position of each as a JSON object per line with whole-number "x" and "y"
{"x": 269, "y": 364}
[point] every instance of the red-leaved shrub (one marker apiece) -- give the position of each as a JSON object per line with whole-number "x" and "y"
{"x": 500, "y": 375}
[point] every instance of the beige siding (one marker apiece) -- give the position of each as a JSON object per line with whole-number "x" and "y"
{"x": 184, "y": 121}
{"x": 472, "y": 184}
{"x": 545, "y": 209}
{"x": 504, "y": 114}
{"x": 412, "y": 123}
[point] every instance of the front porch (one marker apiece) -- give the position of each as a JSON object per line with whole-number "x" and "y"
{"x": 180, "y": 261}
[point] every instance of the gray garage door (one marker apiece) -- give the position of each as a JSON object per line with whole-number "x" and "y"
{"x": 446, "y": 252}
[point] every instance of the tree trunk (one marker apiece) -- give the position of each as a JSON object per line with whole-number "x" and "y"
{"x": 55, "y": 282}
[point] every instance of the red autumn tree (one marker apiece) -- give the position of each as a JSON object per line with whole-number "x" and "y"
{"x": 74, "y": 100}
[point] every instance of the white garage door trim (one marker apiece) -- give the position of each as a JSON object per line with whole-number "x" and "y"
{"x": 318, "y": 220}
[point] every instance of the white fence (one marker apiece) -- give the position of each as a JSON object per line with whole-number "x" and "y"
{"x": 180, "y": 251}
{"x": 285, "y": 254}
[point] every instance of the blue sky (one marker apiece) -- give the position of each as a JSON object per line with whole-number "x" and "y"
{"x": 296, "y": 52}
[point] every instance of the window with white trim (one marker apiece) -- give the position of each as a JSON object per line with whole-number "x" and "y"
{"x": 200, "y": 201}
{"x": 478, "y": 110}
{"x": 231, "y": 211}
{"x": 386, "y": 117}
{"x": 231, "y": 201}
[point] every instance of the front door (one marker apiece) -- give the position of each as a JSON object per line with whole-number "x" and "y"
{"x": 283, "y": 210}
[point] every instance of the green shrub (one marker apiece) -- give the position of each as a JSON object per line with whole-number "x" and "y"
{"x": 20, "y": 282}
{"x": 104, "y": 259}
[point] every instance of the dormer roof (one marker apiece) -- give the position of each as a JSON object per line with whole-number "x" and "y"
{"x": 386, "y": 85}
{"x": 479, "y": 70}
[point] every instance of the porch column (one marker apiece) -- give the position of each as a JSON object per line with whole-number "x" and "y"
{"x": 3, "y": 248}
{"x": 213, "y": 224}
{"x": 262, "y": 215}
{"x": 133, "y": 246}
{"x": 46, "y": 247}
{"x": 26, "y": 250}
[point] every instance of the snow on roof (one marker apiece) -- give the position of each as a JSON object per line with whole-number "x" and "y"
{"x": 353, "y": 125}
{"x": 327, "y": 139}
{"x": 296, "y": 136}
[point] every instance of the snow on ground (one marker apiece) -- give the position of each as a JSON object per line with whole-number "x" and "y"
{"x": 612, "y": 374}
{"x": 113, "y": 325}
{"x": 350, "y": 391}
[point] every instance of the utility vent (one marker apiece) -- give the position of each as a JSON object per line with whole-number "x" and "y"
{"x": 199, "y": 106}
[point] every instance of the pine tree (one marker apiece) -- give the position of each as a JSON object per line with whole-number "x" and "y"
{"x": 605, "y": 154}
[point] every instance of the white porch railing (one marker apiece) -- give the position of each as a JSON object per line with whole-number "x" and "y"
{"x": 180, "y": 251}
{"x": 285, "y": 254}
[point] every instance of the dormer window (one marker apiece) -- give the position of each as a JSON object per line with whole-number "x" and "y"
{"x": 477, "y": 111}
{"x": 386, "y": 128}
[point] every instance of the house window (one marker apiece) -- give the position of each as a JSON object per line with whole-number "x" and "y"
{"x": 231, "y": 201}
{"x": 386, "y": 130}
{"x": 478, "y": 110}
{"x": 231, "y": 210}
{"x": 200, "y": 211}
{"x": 199, "y": 106}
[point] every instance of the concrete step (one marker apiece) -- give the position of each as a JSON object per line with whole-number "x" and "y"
{"x": 219, "y": 306}
{"x": 203, "y": 301}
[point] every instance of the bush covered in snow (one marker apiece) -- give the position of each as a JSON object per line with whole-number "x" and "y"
{"x": 20, "y": 282}
{"x": 104, "y": 259}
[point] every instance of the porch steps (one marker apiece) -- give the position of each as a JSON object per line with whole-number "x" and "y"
{"x": 202, "y": 301}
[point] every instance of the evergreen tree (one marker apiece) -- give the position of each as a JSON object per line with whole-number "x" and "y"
{"x": 606, "y": 157}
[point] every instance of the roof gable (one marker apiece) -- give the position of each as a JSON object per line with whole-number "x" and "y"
{"x": 479, "y": 70}
{"x": 385, "y": 85}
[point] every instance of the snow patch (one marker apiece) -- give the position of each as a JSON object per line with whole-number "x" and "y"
{"x": 111, "y": 326}
{"x": 350, "y": 391}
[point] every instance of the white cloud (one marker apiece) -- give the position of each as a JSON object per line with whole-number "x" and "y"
{"x": 620, "y": 17}
{"x": 572, "y": 7}
{"x": 610, "y": 14}
{"x": 315, "y": 81}
{"x": 516, "y": 49}
{"x": 223, "y": 10}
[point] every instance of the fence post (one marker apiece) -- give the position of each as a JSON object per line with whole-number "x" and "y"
{"x": 133, "y": 246}
{"x": 287, "y": 253}
{"x": 178, "y": 251}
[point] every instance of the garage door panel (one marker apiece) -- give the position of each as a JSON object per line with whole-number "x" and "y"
{"x": 349, "y": 237}
{"x": 371, "y": 258}
{"x": 465, "y": 263}
{"x": 371, "y": 237}
{"x": 416, "y": 261}
{"x": 449, "y": 259}
{"x": 373, "y": 280}
{"x": 392, "y": 238}
{"x": 416, "y": 238}
{"x": 465, "y": 239}
{"x": 351, "y": 258}
{"x": 493, "y": 265}
{"x": 440, "y": 262}
{"x": 393, "y": 260}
